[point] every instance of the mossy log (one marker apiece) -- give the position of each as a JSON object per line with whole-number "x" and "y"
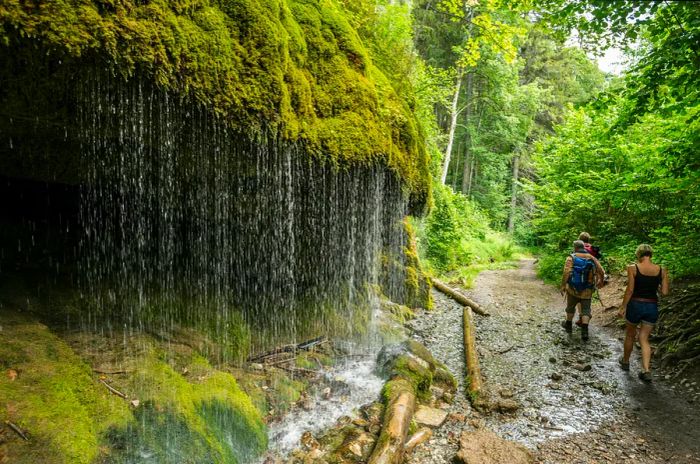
{"x": 401, "y": 403}
{"x": 458, "y": 297}
{"x": 470, "y": 355}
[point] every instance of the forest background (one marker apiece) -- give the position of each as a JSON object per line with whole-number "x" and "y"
{"x": 532, "y": 143}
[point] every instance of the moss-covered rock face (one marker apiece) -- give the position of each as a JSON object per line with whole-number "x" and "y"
{"x": 295, "y": 65}
{"x": 53, "y": 398}
{"x": 178, "y": 407}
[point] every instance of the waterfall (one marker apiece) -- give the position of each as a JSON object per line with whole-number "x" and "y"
{"x": 188, "y": 222}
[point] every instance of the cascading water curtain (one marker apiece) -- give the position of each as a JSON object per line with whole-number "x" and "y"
{"x": 188, "y": 223}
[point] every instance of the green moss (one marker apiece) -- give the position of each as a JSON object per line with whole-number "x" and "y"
{"x": 251, "y": 383}
{"x": 294, "y": 65}
{"x": 284, "y": 391}
{"x": 55, "y": 398}
{"x": 403, "y": 313}
{"x": 202, "y": 407}
{"x": 188, "y": 411}
{"x": 417, "y": 366}
{"x": 394, "y": 387}
{"x": 419, "y": 376}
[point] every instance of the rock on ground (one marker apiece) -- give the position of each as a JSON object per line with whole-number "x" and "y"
{"x": 485, "y": 447}
{"x": 431, "y": 417}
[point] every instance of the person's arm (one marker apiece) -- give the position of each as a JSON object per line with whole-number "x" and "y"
{"x": 664, "y": 282}
{"x": 565, "y": 275}
{"x": 599, "y": 274}
{"x": 628, "y": 291}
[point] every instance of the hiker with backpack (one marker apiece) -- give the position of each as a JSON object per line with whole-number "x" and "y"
{"x": 594, "y": 251}
{"x": 640, "y": 307}
{"x": 582, "y": 275}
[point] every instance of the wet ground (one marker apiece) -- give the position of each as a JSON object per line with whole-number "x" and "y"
{"x": 575, "y": 404}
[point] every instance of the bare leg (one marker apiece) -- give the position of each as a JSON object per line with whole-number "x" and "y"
{"x": 585, "y": 319}
{"x": 630, "y": 334}
{"x": 644, "y": 332}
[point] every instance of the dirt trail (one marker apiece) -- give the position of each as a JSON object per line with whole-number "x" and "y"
{"x": 575, "y": 404}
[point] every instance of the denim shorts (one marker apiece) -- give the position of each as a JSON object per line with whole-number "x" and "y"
{"x": 646, "y": 312}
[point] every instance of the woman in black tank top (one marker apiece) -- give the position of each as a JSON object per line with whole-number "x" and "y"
{"x": 646, "y": 287}
{"x": 640, "y": 306}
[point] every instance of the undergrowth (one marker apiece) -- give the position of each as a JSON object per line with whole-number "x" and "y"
{"x": 456, "y": 240}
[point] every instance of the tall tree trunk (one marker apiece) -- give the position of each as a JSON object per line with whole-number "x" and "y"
{"x": 470, "y": 158}
{"x": 468, "y": 111}
{"x": 472, "y": 176}
{"x": 514, "y": 194}
{"x": 456, "y": 169}
{"x": 453, "y": 126}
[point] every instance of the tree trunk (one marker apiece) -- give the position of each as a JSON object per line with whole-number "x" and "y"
{"x": 472, "y": 176}
{"x": 458, "y": 297}
{"x": 514, "y": 195}
{"x": 468, "y": 110}
{"x": 453, "y": 126}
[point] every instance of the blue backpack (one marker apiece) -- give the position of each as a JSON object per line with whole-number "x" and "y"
{"x": 581, "y": 270}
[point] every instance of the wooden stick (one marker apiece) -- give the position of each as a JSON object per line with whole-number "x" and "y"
{"x": 470, "y": 354}
{"x": 99, "y": 371}
{"x": 113, "y": 390}
{"x": 417, "y": 438}
{"x": 305, "y": 346}
{"x": 280, "y": 361}
{"x": 17, "y": 430}
{"x": 299, "y": 370}
{"x": 459, "y": 297}
{"x": 506, "y": 350}
{"x": 397, "y": 419}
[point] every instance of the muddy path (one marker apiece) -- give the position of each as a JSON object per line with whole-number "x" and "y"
{"x": 574, "y": 404}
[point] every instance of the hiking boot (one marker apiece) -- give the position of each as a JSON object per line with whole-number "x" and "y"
{"x": 645, "y": 376}
{"x": 584, "y": 332}
{"x": 567, "y": 326}
{"x": 625, "y": 366}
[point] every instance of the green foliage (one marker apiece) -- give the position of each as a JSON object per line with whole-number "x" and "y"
{"x": 598, "y": 23}
{"x": 626, "y": 169}
{"x": 456, "y": 234}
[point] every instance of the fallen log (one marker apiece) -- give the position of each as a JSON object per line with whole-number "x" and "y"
{"x": 459, "y": 297}
{"x": 397, "y": 419}
{"x": 470, "y": 354}
{"x": 303, "y": 346}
